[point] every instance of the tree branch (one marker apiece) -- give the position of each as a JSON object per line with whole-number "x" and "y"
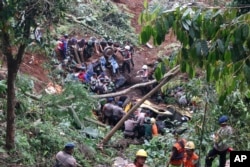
{"x": 125, "y": 91}
{"x": 167, "y": 77}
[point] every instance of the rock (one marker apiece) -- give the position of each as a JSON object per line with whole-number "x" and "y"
{"x": 120, "y": 162}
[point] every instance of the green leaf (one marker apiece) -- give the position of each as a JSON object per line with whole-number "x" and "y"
{"x": 145, "y": 4}
{"x": 158, "y": 74}
{"x": 222, "y": 98}
{"x": 187, "y": 11}
{"x": 246, "y": 70}
{"x": 198, "y": 48}
{"x": 184, "y": 53}
{"x": 185, "y": 25}
{"x": 244, "y": 31}
{"x": 191, "y": 71}
{"x": 191, "y": 32}
{"x": 188, "y": 22}
{"x": 204, "y": 47}
{"x": 183, "y": 66}
{"x": 227, "y": 56}
{"x": 146, "y": 34}
{"x": 209, "y": 70}
{"x": 220, "y": 45}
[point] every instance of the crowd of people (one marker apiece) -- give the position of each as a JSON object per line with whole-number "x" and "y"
{"x": 182, "y": 154}
{"x": 104, "y": 74}
{"x": 141, "y": 124}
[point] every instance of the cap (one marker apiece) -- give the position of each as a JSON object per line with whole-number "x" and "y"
{"x": 223, "y": 119}
{"x": 152, "y": 120}
{"x": 120, "y": 103}
{"x": 190, "y": 145}
{"x": 145, "y": 67}
{"x": 127, "y": 47}
{"x": 69, "y": 145}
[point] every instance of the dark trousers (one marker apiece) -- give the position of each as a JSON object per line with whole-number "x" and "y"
{"x": 211, "y": 156}
{"x": 140, "y": 130}
{"x": 132, "y": 61}
{"x": 126, "y": 65}
{"x": 63, "y": 54}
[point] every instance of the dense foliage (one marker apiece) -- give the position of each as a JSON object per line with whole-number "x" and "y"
{"x": 212, "y": 39}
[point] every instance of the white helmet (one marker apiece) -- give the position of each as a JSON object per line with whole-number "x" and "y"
{"x": 144, "y": 67}
{"x": 127, "y": 47}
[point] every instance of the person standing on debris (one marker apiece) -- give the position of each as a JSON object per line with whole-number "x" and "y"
{"x": 145, "y": 73}
{"x": 127, "y": 59}
{"x": 191, "y": 159}
{"x": 65, "y": 158}
{"x": 177, "y": 154}
{"x": 222, "y": 139}
{"x": 140, "y": 159}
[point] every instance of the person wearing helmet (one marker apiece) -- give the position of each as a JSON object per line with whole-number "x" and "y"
{"x": 191, "y": 159}
{"x": 65, "y": 158}
{"x": 145, "y": 73}
{"x": 154, "y": 127}
{"x": 178, "y": 150}
{"x": 222, "y": 139}
{"x": 140, "y": 159}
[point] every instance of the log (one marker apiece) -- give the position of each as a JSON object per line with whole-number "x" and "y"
{"x": 95, "y": 122}
{"x": 125, "y": 91}
{"x": 166, "y": 78}
{"x": 76, "y": 118}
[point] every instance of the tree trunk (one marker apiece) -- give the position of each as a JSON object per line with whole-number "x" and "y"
{"x": 125, "y": 91}
{"x": 167, "y": 77}
{"x": 13, "y": 64}
{"x": 11, "y": 103}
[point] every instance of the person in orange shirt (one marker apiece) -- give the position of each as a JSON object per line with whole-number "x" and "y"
{"x": 191, "y": 159}
{"x": 178, "y": 150}
{"x": 154, "y": 127}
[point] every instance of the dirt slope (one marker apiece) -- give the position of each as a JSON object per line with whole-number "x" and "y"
{"x": 33, "y": 64}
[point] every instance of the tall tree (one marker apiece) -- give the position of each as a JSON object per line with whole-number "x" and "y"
{"x": 16, "y": 20}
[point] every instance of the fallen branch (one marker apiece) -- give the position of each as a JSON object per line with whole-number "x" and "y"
{"x": 76, "y": 118}
{"x": 95, "y": 122}
{"x": 166, "y": 78}
{"x": 125, "y": 91}
{"x": 80, "y": 22}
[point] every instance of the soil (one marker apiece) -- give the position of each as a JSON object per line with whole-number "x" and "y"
{"x": 33, "y": 64}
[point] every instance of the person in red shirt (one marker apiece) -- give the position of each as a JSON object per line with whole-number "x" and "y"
{"x": 82, "y": 74}
{"x": 191, "y": 159}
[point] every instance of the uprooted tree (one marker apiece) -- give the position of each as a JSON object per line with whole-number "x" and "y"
{"x": 17, "y": 18}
